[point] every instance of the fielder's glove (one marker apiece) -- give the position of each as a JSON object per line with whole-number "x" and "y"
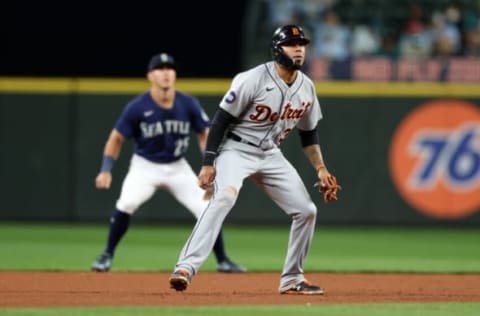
{"x": 328, "y": 188}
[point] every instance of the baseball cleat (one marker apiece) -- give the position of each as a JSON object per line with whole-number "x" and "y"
{"x": 304, "y": 288}
{"x": 103, "y": 263}
{"x": 228, "y": 266}
{"x": 180, "y": 279}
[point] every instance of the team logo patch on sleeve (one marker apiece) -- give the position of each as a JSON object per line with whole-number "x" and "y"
{"x": 231, "y": 97}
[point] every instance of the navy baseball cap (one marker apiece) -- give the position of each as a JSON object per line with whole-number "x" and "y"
{"x": 161, "y": 60}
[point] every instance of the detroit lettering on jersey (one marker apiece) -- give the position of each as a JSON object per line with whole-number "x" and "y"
{"x": 264, "y": 112}
{"x": 161, "y": 135}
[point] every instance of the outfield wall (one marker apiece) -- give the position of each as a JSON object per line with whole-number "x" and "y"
{"x": 405, "y": 153}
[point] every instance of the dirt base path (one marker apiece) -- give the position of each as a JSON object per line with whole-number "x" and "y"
{"x": 35, "y": 289}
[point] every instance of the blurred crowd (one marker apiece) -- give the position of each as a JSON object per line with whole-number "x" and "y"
{"x": 344, "y": 29}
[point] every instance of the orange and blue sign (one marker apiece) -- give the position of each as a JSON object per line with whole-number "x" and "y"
{"x": 434, "y": 159}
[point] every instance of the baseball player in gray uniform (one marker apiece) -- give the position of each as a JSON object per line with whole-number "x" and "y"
{"x": 259, "y": 111}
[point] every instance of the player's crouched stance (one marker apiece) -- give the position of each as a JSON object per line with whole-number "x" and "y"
{"x": 262, "y": 107}
{"x": 161, "y": 122}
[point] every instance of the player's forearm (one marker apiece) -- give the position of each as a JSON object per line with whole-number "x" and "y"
{"x": 220, "y": 123}
{"x": 111, "y": 151}
{"x": 314, "y": 155}
{"x": 114, "y": 145}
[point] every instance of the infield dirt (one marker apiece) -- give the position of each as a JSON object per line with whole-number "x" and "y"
{"x": 41, "y": 289}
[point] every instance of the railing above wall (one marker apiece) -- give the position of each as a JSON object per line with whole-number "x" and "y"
{"x": 406, "y": 70}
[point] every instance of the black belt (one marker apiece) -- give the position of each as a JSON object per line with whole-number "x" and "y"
{"x": 240, "y": 140}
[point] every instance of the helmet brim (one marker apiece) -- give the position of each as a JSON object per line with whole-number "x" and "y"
{"x": 302, "y": 40}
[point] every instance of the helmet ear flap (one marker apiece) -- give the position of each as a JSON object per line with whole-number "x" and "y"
{"x": 280, "y": 57}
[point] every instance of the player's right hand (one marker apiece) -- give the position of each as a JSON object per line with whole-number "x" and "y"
{"x": 206, "y": 177}
{"x": 103, "y": 180}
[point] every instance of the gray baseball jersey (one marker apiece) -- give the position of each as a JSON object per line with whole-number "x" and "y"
{"x": 267, "y": 110}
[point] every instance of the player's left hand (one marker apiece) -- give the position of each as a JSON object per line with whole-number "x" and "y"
{"x": 327, "y": 185}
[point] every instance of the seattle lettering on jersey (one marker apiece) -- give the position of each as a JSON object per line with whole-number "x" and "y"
{"x": 169, "y": 126}
{"x": 264, "y": 112}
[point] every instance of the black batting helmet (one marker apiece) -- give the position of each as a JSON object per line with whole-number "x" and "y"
{"x": 285, "y": 34}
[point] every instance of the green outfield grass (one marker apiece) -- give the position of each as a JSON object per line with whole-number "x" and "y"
{"x": 72, "y": 247}
{"x": 440, "y": 309}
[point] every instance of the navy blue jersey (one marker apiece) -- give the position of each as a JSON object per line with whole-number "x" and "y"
{"x": 162, "y": 135}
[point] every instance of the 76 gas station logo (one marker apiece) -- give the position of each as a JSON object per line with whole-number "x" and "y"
{"x": 453, "y": 157}
{"x": 434, "y": 159}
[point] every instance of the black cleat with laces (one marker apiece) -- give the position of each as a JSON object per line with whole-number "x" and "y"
{"x": 304, "y": 288}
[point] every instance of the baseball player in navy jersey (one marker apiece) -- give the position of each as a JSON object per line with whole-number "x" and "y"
{"x": 160, "y": 122}
{"x": 259, "y": 111}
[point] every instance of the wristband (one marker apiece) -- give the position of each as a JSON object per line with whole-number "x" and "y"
{"x": 107, "y": 163}
{"x": 209, "y": 158}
